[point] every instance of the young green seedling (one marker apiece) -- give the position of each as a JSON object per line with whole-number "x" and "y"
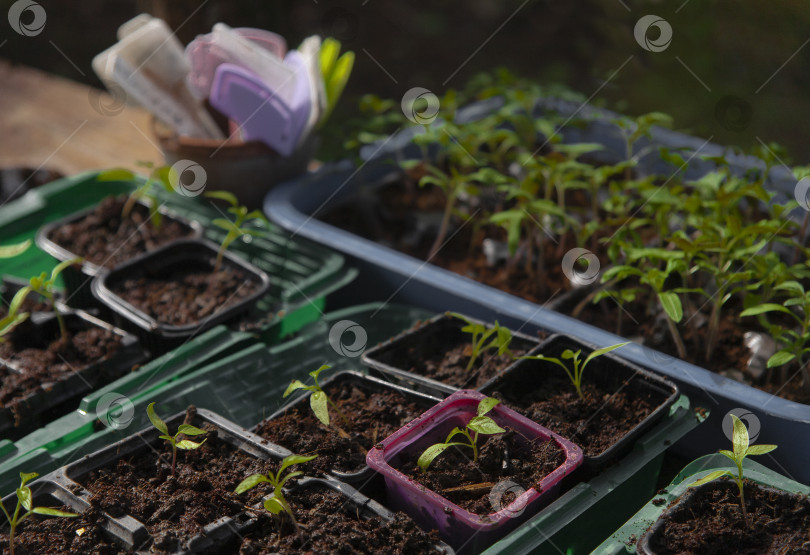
{"x": 575, "y": 374}
{"x": 157, "y": 175}
{"x": 742, "y": 448}
{"x": 45, "y": 286}
{"x": 479, "y": 424}
{"x": 479, "y": 334}
{"x": 234, "y": 228}
{"x": 318, "y": 400}
{"x": 25, "y": 500}
{"x": 278, "y": 502}
{"x": 186, "y": 429}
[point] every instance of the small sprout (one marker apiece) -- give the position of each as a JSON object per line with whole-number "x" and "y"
{"x": 233, "y": 229}
{"x": 742, "y": 448}
{"x": 479, "y": 334}
{"x": 278, "y": 502}
{"x": 159, "y": 175}
{"x": 186, "y": 429}
{"x": 45, "y": 286}
{"x": 479, "y": 424}
{"x": 25, "y": 500}
{"x": 579, "y": 366}
{"x": 318, "y": 400}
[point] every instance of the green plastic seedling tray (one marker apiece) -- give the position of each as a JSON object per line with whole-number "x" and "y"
{"x": 302, "y": 273}
{"x": 584, "y": 515}
{"x": 624, "y": 539}
{"x": 243, "y": 384}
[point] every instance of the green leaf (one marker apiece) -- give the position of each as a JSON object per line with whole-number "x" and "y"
{"x": 290, "y": 460}
{"x": 227, "y": 196}
{"x": 155, "y": 419}
{"x": 759, "y": 449}
{"x": 59, "y": 268}
{"x": 487, "y": 405}
{"x": 188, "y": 445}
{"x": 190, "y": 430}
{"x": 320, "y": 406}
{"x": 24, "y": 497}
{"x": 602, "y": 351}
{"x": 115, "y": 174}
{"x": 27, "y": 477}
{"x": 17, "y": 301}
{"x": 739, "y": 438}
{"x": 295, "y": 385}
{"x": 316, "y": 373}
{"x": 780, "y": 357}
{"x": 485, "y": 425}
{"x": 288, "y": 477}
{"x": 762, "y": 309}
{"x": 250, "y": 482}
{"x": 728, "y": 454}
{"x": 10, "y": 251}
{"x": 791, "y": 285}
{"x": 427, "y": 457}
{"x": 273, "y": 505}
{"x": 671, "y": 304}
{"x": 51, "y": 512}
{"x": 710, "y": 477}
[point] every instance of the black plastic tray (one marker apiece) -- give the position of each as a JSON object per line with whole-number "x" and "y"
{"x": 442, "y": 325}
{"x": 77, "y": 278}
{"x": 157, "y": 336}
{"x": 364, "y": 478}
{"x": 607, "y": 370}
{"x": 60, "y": 397}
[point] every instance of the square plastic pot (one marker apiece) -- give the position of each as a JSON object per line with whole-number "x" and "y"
{"x": 362, "y": 479}
{"x": 391, "y": 275}
{"x": 442, "y": 332}
{"x": 608, "y": 371}
{"x": 160, "y": 337}
{"x": 77, "y": 279}
{"x": 633, "y": 536}
{"x": 463, "y": 530}
{"x": 61, "y": 396}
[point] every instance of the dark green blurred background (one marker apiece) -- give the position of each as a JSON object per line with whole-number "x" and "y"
{"x": 736, "y": 48}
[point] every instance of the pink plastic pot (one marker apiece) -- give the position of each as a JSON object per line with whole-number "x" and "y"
{"x": 465, "y": 531}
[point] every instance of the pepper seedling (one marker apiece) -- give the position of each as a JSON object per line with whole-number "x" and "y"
{"x": 575, "y": 374}
{"x": 318, "y": 400}
{"x": 479, "y": 334}
{"x": 44, "y": 286}
{"x": 479, "y": 424}
{"x": 278, "y": 502}
{"x": 233, "y": 229}
{"x": 157, "y": 175}
{"x": 186, "y": 429}
{"x": 25, "y": 501}
{"x": 742, "y": 448}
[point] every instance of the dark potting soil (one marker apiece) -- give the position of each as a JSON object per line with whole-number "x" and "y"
{"x": 440, "y": 356}
{"x": 106, "y": 239}
{"x": 331, "y": 525}
{"x": 174, "y": 509}
{"x": 373, "y": 416}
{"x": 188, "y": 295}
{"x": 40, "y": 535}
{"x": 506, "y": 457}
{"x": 712, "y": 522}
{"x": 43, "y": 360}
{"x": 595, "y": 423}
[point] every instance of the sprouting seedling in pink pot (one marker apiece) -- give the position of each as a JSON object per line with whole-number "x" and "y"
{"x": 479, "y": 424}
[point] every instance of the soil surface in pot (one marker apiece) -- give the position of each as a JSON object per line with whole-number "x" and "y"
{"x": 331, "y": 525}
{"x": 106, "y": 239}
{"x": 711, "y": 522}
{"x": 174, "y": 509}
{"x": 443, "y": 356}
{"x": 187, "y": 295}
{"x": 374, "y": 415}
{"x": 81, "y": 534}
{"x": 506, "y": 457}
{"x": 44, "y": 359}
{"x": 595, "y": 423}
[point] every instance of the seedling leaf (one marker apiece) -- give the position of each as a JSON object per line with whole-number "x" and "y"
{"x": 710, "y": 477}
{"x": 190, "y": 430}
{"x": 320, "y": 406}
{"x": 155, "y": 419}
{"x": 51, "y": 512}
{"x": 250, "y": 482}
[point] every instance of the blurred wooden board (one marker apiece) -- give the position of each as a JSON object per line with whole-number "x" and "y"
{"x": 66, "y": 126}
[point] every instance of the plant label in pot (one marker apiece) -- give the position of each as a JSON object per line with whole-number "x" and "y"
{"x": 480, "y": 483}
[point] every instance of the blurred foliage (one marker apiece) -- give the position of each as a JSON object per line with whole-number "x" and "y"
{"x": 736, "y": 48}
